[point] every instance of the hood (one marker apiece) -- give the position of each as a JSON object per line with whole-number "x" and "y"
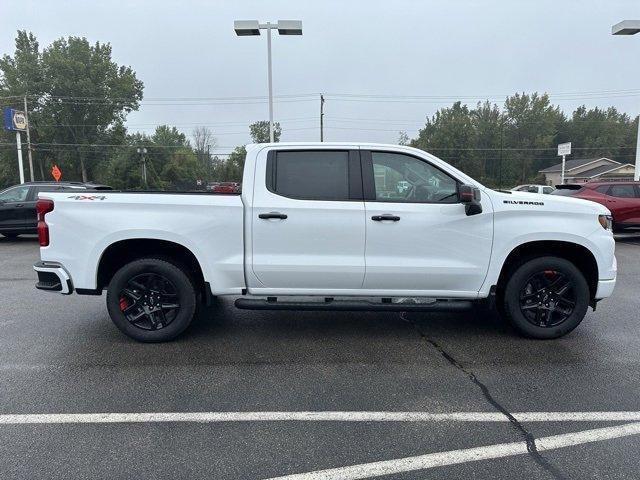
{"x": 556, "y": 203}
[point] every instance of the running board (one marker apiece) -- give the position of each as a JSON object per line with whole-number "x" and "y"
{"x": 330, "y": 304}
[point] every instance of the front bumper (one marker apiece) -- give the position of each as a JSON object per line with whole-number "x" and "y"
{"x": 605, "y": 288}
{"x": 53, "y": 277}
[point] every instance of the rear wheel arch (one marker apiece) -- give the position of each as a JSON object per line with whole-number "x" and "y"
{"x": 120, "y": 253}
{"x": 577, "y": 254}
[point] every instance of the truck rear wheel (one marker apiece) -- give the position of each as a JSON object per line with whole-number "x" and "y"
{"x": 546, "y": 297}
{"x": 151, "y": 300}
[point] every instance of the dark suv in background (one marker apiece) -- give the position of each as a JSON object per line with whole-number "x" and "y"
{"x": 18, "y": 204}
{"x": 621, "y": 197}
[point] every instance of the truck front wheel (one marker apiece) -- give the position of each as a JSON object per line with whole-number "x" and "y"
{"x": 546, "y": 297}
{"x": 151, "y": 300}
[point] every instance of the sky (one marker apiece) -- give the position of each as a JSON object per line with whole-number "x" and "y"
{"x": 401, "y": 59}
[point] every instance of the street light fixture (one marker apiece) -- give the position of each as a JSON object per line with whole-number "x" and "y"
{"x": 630, "y": 27}
{"x": 244, "y": 28}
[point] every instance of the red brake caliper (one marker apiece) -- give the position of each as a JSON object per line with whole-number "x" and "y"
{"x": 123, "y": 304}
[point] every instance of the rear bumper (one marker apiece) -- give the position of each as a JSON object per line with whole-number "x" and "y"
{"x": 53, "y": 277}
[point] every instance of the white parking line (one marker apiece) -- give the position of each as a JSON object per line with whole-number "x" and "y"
{"x": 454, "y": 457}
{"x": 336, "y": 416}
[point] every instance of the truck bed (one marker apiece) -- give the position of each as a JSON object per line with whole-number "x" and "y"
{"x": 208, "y": 224}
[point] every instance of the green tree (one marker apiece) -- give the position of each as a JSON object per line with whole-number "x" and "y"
{"x": 78, "y": 98}
{"x": 604, "y": 132}
{"x": 260, "y": 131}
{"x": 403, "y": 138}
{"x": 531, "y": 131}
{"x": 450, "y": 133}
{"x": 20, "y": 75}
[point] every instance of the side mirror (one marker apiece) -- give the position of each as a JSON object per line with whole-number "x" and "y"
{"x": 470, "y": 197}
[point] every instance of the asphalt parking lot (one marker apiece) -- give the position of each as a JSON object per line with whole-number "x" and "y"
{"x": 62, "y": 355}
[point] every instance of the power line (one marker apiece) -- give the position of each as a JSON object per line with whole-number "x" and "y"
{"x": 151, "y": 145}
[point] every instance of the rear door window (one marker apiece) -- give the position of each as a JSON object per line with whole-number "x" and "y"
{"x": 622, "y": 191}
{"x": 310, "y": 175}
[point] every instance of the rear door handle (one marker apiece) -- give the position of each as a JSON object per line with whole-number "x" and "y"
{"x": 386, "y": 216}
{"x": 266, "y": 216}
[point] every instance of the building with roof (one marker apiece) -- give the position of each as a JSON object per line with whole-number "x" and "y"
{"x": 585, "y": 169}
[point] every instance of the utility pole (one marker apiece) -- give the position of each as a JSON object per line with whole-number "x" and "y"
{"x": 142, "y": 151}
{"x": 501, "y": 148}
{"x": 26, "y": 115}
{"x": 269, "y": 27}
{"x": 321, "y": 118}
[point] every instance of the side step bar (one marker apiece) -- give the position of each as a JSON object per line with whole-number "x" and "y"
{"x": 353, "y": 305}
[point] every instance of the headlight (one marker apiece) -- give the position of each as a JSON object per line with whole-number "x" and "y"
{"x": 606, "y": 221}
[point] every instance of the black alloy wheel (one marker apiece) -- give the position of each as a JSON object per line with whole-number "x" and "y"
{"x": 152, "y": 299}
{"x": 547, "y": 298}
{"x": 149, "y": 301}
{"x": 544, "y": 297}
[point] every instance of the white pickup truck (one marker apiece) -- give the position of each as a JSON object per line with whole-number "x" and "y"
{"x": 331, "y": 226}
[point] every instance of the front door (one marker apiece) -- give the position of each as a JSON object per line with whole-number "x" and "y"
{"x": 308, "y": 222}
{"x": 12, "y": 208}
{"x": 419, "y": 237}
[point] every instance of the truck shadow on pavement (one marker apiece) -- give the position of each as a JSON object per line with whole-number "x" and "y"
{"x": 223, "y": 335}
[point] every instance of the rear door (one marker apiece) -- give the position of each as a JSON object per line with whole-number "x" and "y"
{"x": 12, "y": 208}
{"x": 308, "y": 225}
{"x": 624, "y": 203}
{"x": 419, "y": 238}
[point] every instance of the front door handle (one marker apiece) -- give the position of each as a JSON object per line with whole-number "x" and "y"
{"x": 19, "y": 205}
{"x": 266, "y": 216}
{"x": 386, "y": 216}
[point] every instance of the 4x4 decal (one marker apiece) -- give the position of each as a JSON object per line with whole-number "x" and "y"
{"x": 87, "y": 197}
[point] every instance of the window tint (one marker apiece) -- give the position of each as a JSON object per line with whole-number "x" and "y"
{"x": 523, "y": 188}
{"x": 547, "y": 189}
{"x": 311, "y": 175}
{"x": 402, "y": 178}
{"x": 603, "y": 189}
{"x": 624, "y": 191}
{"x": 16, "y": 194}
{"x": 532, "y": 189}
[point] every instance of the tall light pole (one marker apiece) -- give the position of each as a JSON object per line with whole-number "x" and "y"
{"x": 142, "y": 151}
{"x": 245, "y": 28}
{"x": 630, "y": 27}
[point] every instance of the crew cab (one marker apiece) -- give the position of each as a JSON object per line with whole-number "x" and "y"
{"x": 331, "y": 226}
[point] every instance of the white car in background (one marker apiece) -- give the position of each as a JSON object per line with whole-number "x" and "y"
{"x": 546, "y": 189}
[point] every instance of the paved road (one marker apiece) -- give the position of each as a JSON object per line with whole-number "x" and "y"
{"x": 62, "y": 355}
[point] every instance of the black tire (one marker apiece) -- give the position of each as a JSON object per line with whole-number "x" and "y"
{"x": 174, "y": 278}
{"x": 523, "y": 302}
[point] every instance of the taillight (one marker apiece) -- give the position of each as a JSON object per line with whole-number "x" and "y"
{"x": 43, "y": 206}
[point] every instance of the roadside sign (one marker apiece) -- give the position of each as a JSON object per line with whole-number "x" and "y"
{"x": 56, "y": 173}
{"x": 564, "y": 149}
{"x": 198, "y": 182}
{"x": 14, "y": 120}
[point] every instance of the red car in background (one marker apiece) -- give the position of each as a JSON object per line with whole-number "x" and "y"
{"x": 226, "y": 187}
{"x": 622, "y": 198}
